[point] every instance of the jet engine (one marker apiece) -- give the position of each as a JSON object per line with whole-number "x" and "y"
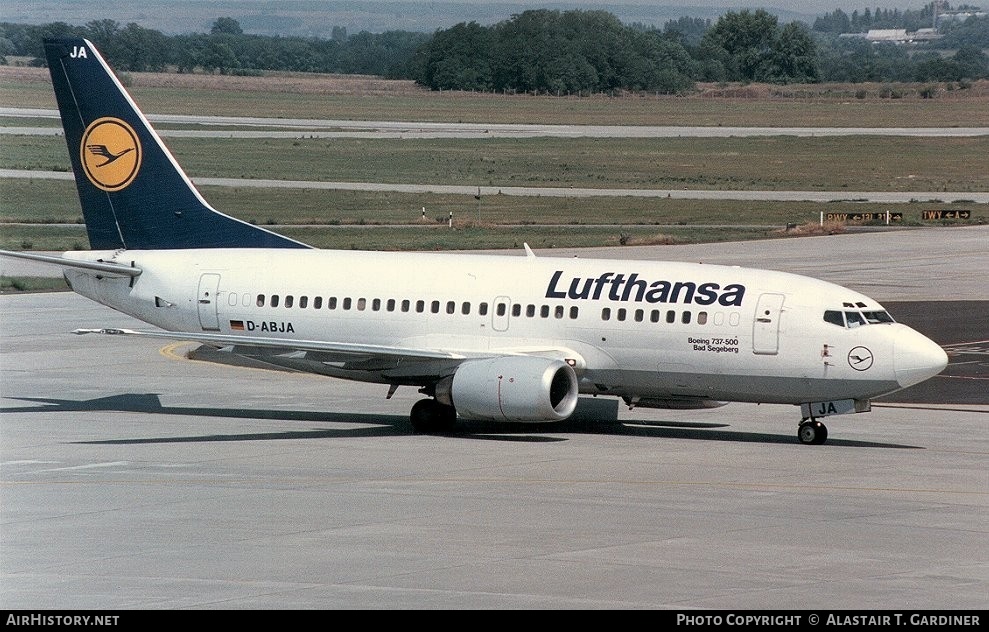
{"x": 511, "y": 388}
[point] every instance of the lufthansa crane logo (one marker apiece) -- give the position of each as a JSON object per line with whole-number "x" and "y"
{"x": 110, "y": 154}
{"x": 860, "y": 358}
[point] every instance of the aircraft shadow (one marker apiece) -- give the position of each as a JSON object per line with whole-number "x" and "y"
{"x": 654, "y": 429}
{"x": 380, "y": 425}
{"x": 150, "y": 403}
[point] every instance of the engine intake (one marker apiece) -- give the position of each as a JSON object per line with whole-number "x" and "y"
{"x": 511, "y": 388}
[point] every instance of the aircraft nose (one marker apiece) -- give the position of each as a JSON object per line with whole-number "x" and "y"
{"x": 916, "y": 358}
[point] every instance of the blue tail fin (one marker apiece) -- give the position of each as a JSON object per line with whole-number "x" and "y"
{"x": 134, "y": 194}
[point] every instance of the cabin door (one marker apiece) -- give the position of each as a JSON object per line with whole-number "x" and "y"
{"x": 766, "y": 327}
{"x": 209, "y": 287}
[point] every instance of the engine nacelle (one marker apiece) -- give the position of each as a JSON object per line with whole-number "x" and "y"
{"x": 511, "y": 388}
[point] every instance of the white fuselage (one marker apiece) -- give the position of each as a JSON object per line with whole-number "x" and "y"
{"x": 642, "y": 330}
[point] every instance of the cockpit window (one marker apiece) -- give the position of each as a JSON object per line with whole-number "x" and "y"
{"x": 834, "y": 317}
{"x": 850, "y": 319}
{"x": 878, "y": 317}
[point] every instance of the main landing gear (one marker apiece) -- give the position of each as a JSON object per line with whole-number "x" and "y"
{"x": 428, "y": 416}
{"x": 812, "y": 432}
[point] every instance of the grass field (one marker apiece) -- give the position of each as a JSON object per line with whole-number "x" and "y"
{"x": 370, "y": 98}
{"x": 342, "y": 218}
{"x": 855, "y": 163}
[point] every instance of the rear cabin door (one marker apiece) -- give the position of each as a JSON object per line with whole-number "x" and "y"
{"x": 209, "y": 287}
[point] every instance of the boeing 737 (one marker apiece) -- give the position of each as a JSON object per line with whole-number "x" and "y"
{"x": 483, "y": 337}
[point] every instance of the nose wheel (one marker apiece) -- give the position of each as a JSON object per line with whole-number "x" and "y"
{"x": 812, "y": 432}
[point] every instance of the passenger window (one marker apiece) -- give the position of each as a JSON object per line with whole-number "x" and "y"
{"x": 482, "y": 309}
{"x": 361, "y": 304}
{"x": 654, "y": 316}
{"x": 465, "y": 308}
{"x": 317, "y": 302}
{"x": 331, "y": 303}
{"x": 260, "y": 300}
{"x": 274, "y": 300}
{"x": 288, "y": 301}
{"x": 558, "y": 312}
{"x": 420, "y": 306}
{"x": 574, "y": 312}
{"x": 671, "y": 316}
{"x": 544, "y": 311}
{"x": 500, "y": 309}
{"x": 685, "y": 318}
{"x": 702, "y": 318}
{"x": 390, "y": 306}
{"x": 376, "y": 304}
{"x": 621, "y": 313}
{"x": 606, "y": 313}
{"x": 517, "y": 309}
{"x": 406, "y": 305}
{"x": 303, "y": 302}
{"x": 639, "y": 315}
{"x": 346, "y": 303}
{"x": 434, "y": 307}
{"x": 530, "y": 310}
{"x": 451, "y": 307}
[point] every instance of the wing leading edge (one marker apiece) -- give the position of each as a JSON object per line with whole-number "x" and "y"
{"x": 345, "y": 349}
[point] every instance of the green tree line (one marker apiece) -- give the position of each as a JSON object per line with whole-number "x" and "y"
{"x": 553, "y": 52}
{"x": 225, "y": 49}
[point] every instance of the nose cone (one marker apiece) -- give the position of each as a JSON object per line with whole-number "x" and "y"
{"x": 916, "y": 358}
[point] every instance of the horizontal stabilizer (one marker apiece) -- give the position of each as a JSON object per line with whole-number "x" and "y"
{"x": 106, "y": 268}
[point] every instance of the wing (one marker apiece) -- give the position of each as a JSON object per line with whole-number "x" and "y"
{"x": 365, "y": 362}
{"x": 341, "y": 349}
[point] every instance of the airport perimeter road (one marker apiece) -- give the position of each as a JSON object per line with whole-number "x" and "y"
{"x": 329, "y": 128}
{"x": 889, "y": 197}
{"x": 133, "y": 477}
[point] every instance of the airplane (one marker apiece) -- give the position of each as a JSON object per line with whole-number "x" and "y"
{"x": 514, "y": 338}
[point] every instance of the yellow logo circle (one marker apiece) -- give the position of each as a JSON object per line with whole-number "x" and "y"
{"x": 110, "y": 153}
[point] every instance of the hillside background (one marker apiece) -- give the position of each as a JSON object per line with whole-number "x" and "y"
{"x": 318, "y": 18}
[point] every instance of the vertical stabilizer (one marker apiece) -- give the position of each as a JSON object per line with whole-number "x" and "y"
{"x": 133, "y": 193}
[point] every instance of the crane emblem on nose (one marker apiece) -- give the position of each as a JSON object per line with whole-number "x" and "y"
{"x": 860, "y": 358}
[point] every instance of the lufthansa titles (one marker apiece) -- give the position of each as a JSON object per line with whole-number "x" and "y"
{"x": 620, "y": 287}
